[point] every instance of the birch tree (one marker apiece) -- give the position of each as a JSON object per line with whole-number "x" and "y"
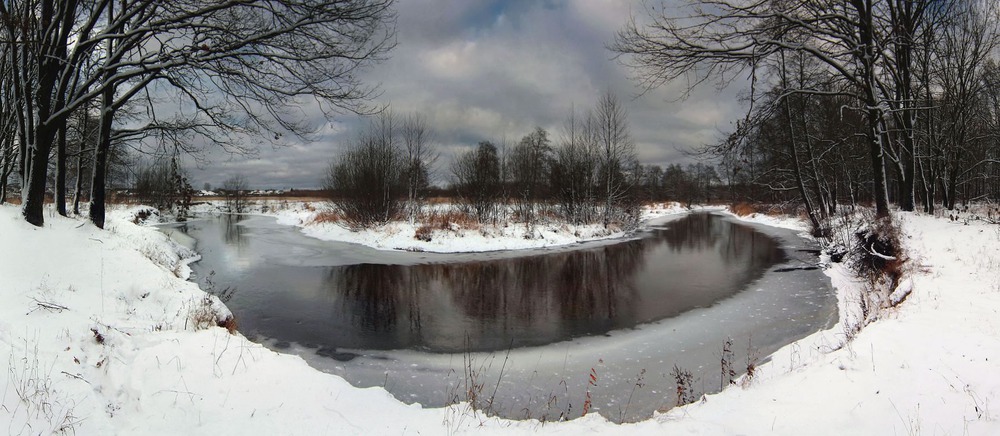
{"x": 420, "y": 157}
{"x": 615, "y": 153}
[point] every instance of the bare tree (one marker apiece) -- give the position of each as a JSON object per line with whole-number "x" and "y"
{"x": 616, "y": 153}
{"x": 164, "y": 186}
{"x": 235, "y": 189}
{"x": 365, "y": 181}
{"x": 8, "y": 123}
{"x": 963, "y": 49}
{"x": 574, "y": 170}
{"x": 528, "y": 165}
{"x": 154, "y": 186}
{"x": 420, "y": 158}
{"x": 478, "y": 179}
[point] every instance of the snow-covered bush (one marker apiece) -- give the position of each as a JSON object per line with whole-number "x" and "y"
{"x": 873, "y": 248}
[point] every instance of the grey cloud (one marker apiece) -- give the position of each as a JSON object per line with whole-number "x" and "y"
{"x": 494, "y": 70}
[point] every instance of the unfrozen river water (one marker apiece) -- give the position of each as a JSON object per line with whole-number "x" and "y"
{"x": 529, "y": 327}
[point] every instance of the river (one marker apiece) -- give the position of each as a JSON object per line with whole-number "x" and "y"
{"x": 526, "y": 330}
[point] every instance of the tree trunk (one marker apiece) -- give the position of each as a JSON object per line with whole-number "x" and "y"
{"x": 798, "y": 172}
{"x": 906, "y": 182}
{"x": 78, "y": 186}
{"x": 33, "y": 188}
{"x": 952, "y": 189}
{"x": 5, "y": 170}
{"x": 877, "y": 141}
{"x": 879, "y": 188}
{"x": 60, "y": 198}
{"x": 99, "y": 178}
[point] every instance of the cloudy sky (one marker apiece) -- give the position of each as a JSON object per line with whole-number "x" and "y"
{"x": 493, "y": 70}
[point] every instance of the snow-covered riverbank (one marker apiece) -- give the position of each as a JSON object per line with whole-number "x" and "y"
{"x": 102, "y": 335}
{"x": 451, "y": 232}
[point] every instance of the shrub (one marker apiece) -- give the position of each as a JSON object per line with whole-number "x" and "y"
{"x": 424, "y": 233}
{"x": 142, "y": 215}
{"x": 364, "y": 182}
{"x": 235, "y": 189}
{"x": 685, "y": 385}
{"x": 229, "y": 324}
{"x": 878, "y": 252}
{"x": 875, "y": 252}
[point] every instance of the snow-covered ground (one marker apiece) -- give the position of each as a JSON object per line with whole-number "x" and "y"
{"x": 102, "y": 335}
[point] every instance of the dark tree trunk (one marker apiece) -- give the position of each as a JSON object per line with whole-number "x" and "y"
{"x": 78, "y": 188}
{"x": 33, "y": 190}
{"x": 876, "y": 132}
{"x": 952, "y": 189}
{"x": 5, "y": 170}
{"x": 99, "y": 179}
{"x": 877, "y": 156}
{"x": 60, "y": 198}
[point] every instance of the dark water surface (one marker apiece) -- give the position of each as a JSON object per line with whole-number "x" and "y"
{"x": 408, "y": 315}
{"x": 455, "y": 303}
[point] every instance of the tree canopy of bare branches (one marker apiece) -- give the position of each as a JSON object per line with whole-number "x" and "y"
{"x": 229, "y": 67}
{"x": 366, "y": 181}
{"x": 235, "y": 189}
{"x": 868, "y": 53}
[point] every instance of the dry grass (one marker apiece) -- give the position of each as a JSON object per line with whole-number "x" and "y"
{"x": 445, "y": 220}
{"x": 424, "y": 233}
{"x": 685, "y": 385}
{"x": 450, "y": 219}
{"x": 769, "y": 209}
{"x": 330, "y": 216}
{"x": 229, "y": 324}
{"x": 743, "y": 209}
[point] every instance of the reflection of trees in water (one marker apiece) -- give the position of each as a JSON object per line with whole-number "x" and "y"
{"x": 539, "y": 299}
{"x": 234, "y": 232}
{"x": 694, "y": 232}
{"x": 752, "y": 249}
{"x": 736, "y": 244}
{"x": 598, "y": 286}
{"x": 373, "y": 294}
{"x": 528, "y": 300}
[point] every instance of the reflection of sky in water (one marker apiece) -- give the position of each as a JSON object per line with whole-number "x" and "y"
{"x": 355, "y": 299}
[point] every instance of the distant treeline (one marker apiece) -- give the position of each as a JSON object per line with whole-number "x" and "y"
{"x": 589, "y": 175}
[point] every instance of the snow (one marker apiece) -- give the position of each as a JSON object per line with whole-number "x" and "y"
{"x": 102, "y": 335}
{"x": 924, "y": 366}
{"x": 399, "y": 235}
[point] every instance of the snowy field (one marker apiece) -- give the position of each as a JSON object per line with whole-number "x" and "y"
{"x": 100, "y": 334}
